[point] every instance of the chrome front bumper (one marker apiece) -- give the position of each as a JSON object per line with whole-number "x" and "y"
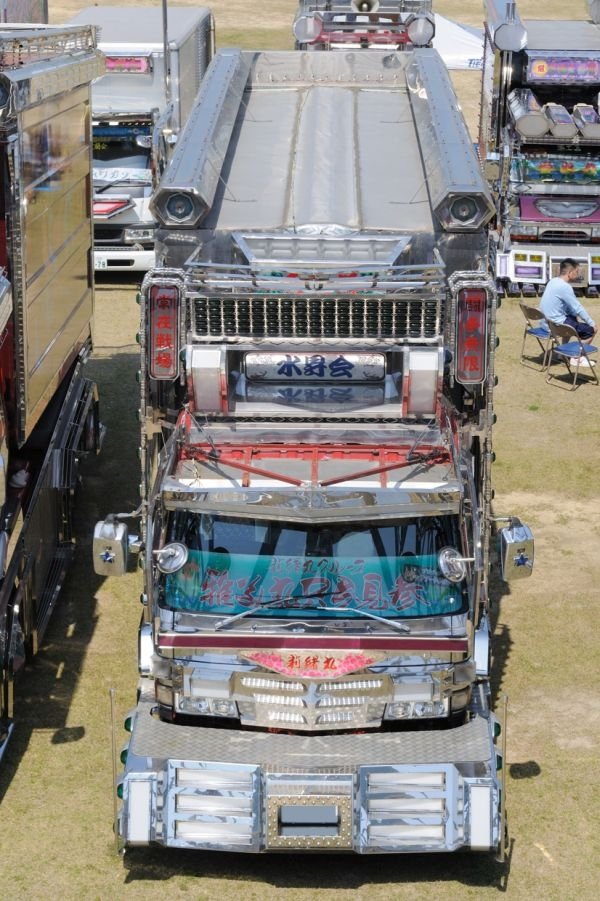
{"x": 231, "y": 790}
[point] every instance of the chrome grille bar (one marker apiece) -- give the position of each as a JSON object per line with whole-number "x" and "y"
{"x": 231, "y": 318}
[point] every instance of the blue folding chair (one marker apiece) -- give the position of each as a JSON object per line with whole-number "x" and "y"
{"x": 568, "y": 348}
{"x": 535, "y": 327}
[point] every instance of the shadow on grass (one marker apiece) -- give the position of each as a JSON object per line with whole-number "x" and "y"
{"x": 319, "y": 873}
{"x": 45, "y": 688}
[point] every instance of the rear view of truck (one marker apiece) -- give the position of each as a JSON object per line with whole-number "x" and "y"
{"x": 363, "y": 24}
{"x": 48, "y": 409}
{"x": 139, "y": 107}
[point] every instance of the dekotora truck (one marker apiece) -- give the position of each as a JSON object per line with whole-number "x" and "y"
{"x": 155, "y": 60}
{"x": 540, "y": 143}
{"x": 317, "y": 372}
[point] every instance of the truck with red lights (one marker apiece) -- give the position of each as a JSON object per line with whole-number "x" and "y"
{"x": 154, "y": 65}
{"x": 363, "y": 24}
{"x": 48, "y": 409}
{"x": 317, "y": 372}
{"x": 540, "y": 143}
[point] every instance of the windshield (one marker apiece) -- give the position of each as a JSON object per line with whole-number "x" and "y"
{"x": 120, "y": 160}
{"x": 390, "y": 569}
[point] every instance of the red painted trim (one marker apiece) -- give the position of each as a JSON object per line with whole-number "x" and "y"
{"x": 308, "y": 643}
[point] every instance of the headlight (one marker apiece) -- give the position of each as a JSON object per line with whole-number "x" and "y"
{"x": 138, "y": 234}
{"x": 207, "y": 706}
{"x": 523, "y": 230}
{"x": 409, "y": 710}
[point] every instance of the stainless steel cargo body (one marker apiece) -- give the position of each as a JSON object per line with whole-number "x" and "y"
{"x": 48, "y": 410}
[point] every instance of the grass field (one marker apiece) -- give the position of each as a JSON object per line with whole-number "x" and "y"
{"x": 56, "y": 792}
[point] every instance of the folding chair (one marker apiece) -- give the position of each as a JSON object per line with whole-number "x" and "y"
{"x": 535, "y": 327}
{"x": 570, "y": 349}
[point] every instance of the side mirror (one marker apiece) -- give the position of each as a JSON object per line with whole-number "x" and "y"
{"x": 110, "y": 548}
{"x": 516, "y": 551}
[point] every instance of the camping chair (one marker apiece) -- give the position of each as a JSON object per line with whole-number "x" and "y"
{"x": 535, "y": 327}
{"x": 568, "y": 347}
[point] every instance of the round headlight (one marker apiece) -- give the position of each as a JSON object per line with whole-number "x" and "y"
{"x": 464, "y": 209}
{"x": 179, "y": 207}
{"x": 307, "y": 29}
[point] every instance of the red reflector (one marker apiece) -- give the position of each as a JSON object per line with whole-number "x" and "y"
{"x": 471, "y": 337}
{"x": 109, "y": 207}
{"x": 163, "y": 352}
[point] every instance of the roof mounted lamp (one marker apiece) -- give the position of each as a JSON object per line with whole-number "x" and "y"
{"x": 308, "y": 29}
{"x": 420, "y": 28}
{"x": 506, "y": 28}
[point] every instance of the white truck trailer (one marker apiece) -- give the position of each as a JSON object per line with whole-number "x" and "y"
{"x": 540, "y": 143}
{"x": 139, "y": 107}
{"x": 48, "y": 409}
{"x": 317, "y": 377}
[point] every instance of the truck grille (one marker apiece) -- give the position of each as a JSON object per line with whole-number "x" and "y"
{"x": 401, "y": 319}
{"x": 112, "y": 234}
{"x": 275, "y": 701}
{"x": 564, "y": 236}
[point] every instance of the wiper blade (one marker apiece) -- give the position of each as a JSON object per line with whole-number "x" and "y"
{"x": 400, "y": 627}
{"x": 120, "y": 181}
{"x": 223, "y": 623}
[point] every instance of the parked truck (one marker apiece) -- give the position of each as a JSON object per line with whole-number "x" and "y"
{"x": 48, "y": 409}
{"x": 363, "y": 24}
{"x": 155, "y": 61}
{"x": 540, "y": 143}
{"x": 317, "y": 371}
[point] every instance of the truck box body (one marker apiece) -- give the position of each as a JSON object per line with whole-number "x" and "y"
{"x": 46, "y": 309}
{"x": 317, "y": 383}
{"x": 138, "y": 110}
{"x": 544, "y": 163}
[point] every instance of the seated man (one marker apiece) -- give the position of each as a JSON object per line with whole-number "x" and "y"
{"x": 560, "y": 305}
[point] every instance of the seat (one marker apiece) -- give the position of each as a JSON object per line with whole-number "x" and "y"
{"x": 535, "y": 327}
{"x": 568, "y": 347}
